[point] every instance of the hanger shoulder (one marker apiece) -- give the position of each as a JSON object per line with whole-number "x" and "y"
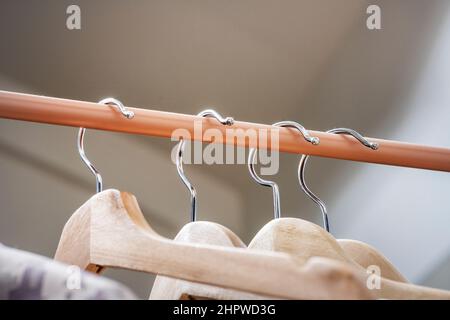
{"x": 299, "y": 237}
{"x": 165, "y": 288}
{"x": 74, "y": 243}
{"x": 306, "y": 240}
{"x": 366, "y": 255}
{"x": 120, "y": 237}
{"x": 287, "y": 234}
{"x": 200, "y": 232}
{"x": 206, "y": 232}
{"x": 391, "y": 289}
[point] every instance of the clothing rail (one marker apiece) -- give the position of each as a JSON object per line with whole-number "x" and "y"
{"x": 75, "y": 113}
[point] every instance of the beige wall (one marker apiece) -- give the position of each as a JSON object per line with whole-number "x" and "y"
{"x": 263, "y": 61}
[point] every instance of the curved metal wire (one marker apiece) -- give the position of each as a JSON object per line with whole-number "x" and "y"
{"x": 302, "y": 167}
{"x": 267, "y": 183}
{"x": 80, "y": 141}
{"x": 228, "y": 121}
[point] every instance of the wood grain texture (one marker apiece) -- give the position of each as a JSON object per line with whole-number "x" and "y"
{"x": 366, "y": 255}
{"x": 304, "y": 240}
{"x": 201, "y": 232}
{"x": 109, "y": 230}
{"x": 165, "y": 288}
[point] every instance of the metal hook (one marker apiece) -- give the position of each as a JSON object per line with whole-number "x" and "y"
{"x": 80, "y": 141}
{"x": 228, "y": 121}
{"x": 272, "y": 184}
{"x": 304, "y": 160}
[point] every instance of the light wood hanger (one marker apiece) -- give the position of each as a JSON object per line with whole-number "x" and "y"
{"x": 359, "y": 252}
{"x": 364, "y": 254}
{"x": 165, "y": 288}
{"x": 204, "y": 232}
{"x": 201, "y": 232}
{"x": 109, "y": 230}
{"x": 305, "y": 240}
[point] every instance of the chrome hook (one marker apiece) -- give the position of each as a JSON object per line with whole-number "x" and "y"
{"x": 272, "y": 184}
{"x": 80, "y": 141}
{"x": 302, "y": 167}
{"x": 228, "y": 121}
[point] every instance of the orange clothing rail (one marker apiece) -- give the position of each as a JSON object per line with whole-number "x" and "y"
{"x": 74, "y": 113}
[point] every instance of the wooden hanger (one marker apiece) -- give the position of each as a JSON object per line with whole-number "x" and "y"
{"x": 364, "y": 254}
{"x": 305, "y": 240}
{"x": 357, "y": 251}
{"x": 201, "y": 232}
{"x": 167, "y": 288}
{"x": 109, "y": 230}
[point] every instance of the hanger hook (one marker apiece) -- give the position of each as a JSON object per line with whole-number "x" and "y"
{"x": 272, "y": 184}
{"x": 302, "y": 167}
{"x": 80, "y": 141}
{"x": 228, "y": 121}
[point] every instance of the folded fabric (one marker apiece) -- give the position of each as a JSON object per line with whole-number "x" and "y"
{"x": 25, "y": 275}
